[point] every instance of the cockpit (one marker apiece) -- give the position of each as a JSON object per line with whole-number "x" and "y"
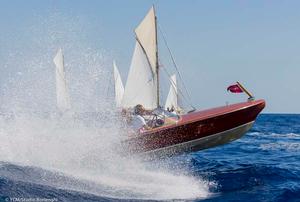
{"x": 161, "y": 117}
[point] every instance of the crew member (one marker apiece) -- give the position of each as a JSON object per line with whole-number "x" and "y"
{"x": 138, "y": 122}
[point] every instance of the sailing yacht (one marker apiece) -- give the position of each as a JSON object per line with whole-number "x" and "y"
{"x": 62, "y": 94}
{"x": 179, "y": 133}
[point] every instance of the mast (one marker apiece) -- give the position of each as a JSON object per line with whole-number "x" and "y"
{"x": 156, "y": 65}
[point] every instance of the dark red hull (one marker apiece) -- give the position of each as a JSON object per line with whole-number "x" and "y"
{"x": 199, "y": 130}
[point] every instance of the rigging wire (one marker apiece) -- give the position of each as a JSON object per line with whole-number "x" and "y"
{"x": 175, "y": 65}
{"x": 178, "y": 89}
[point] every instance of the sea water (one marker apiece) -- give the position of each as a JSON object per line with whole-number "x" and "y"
{"x": 50, "y": 161}
{"x": 76, "y": 157}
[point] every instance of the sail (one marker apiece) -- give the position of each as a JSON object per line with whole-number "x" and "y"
{"x": 172, "y": 99}
{"x": 141, "y": 85}
{"x": 146, "y": 35}
{"x": 119, "y": 88}
{"x": 62, "y": 95}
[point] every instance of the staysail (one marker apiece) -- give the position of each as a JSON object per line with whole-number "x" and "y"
{"x": 119, "y": 88}
{"x": 172, "y": 99}
{"x": 62, "y": 95}
{"x": 142, "y": 82}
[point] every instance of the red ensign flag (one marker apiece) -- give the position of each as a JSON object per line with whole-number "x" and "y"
{"x": 235, "y": 88}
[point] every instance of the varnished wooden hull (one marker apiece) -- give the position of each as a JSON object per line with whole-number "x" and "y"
{"x": 198, "y": 130}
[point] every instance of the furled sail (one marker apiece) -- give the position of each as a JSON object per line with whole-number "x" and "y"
{"x": 142, "y": 82}
{"x": 172, "y": 99}
{"x": 119, "y": 88}
{"x": 62, "y": 95}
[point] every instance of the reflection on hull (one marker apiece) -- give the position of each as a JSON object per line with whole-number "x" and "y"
{"x": 201, "y": 143}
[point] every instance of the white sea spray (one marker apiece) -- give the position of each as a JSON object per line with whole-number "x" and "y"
{"x": 78, "y": 150}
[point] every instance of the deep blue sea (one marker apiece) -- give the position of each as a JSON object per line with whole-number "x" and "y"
{"x": 264, "y": 165}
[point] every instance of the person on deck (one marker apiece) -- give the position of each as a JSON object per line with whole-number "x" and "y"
{"x": 138, "y": 122}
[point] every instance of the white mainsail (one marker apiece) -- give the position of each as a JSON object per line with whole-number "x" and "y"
{"x": 62, "y": 95}
{"x": 142, "y": 82}
{"x": 146, "y": 35}
{"x": 172, "y": 99}
{"x": 119, "y": 88}
{"x": 141, "y": 86}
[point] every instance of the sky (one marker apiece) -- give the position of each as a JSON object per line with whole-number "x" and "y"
{"x": 215, "y": 43}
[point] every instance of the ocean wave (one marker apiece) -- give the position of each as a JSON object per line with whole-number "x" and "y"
{"x": 285, "y": 135}
{"x": 83, "y": 158}
{"x": 150, "y": 186}
{"x": 274, "y": 136}
{"x": 289, "y": 194}
{"x": 254, "y": 133}
{"x": 288, "y": 146}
